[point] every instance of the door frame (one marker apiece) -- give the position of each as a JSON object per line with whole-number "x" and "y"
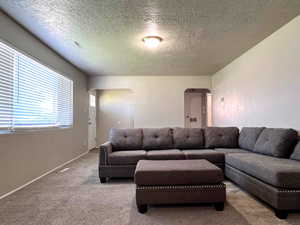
{"x": 205, "y": 117}
{"x": 92, "y": 141}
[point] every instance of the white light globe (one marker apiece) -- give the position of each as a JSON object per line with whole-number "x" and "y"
{"x": 152, "y": 41}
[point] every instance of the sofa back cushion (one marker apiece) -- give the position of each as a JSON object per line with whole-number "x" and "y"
{"x": 276, "y": 142}
{"x": 221, "y": 137}
{"x": 296, "y": 152}
{"x": 248, "y": 137}
{"x": 188, "y": 138}
{"x": 126, "y": 139}
{"x": 157, "y": 138}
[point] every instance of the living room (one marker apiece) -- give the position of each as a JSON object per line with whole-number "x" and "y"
{"x": 72, "y": 70}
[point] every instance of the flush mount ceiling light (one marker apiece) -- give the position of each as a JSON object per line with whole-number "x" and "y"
{"x": 152, "y": 41}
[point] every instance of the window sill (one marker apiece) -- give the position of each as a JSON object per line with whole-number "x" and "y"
{"x": 34, "y": 130}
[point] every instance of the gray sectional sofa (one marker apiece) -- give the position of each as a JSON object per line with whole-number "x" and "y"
{"x": 263, "y": 161}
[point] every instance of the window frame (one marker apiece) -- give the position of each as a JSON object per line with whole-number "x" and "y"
{"x": 38, "y": 129}
{"x": 92, "y": 104}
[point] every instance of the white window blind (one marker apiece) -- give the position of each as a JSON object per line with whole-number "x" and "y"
{"x": 7, "y": 60}
{"x": 31, "y": 94}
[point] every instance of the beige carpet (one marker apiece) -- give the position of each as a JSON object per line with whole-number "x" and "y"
{"x": 76, "y": 197}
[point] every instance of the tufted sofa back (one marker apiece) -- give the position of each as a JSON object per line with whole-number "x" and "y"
{"x": 157, "y": 138}
{"x": 276, "y": 142}
{"x": 221, "y": 137}
{"x": 137, "y": 139}
{"x": 126, "y": 139}
{"x": 296, "y": 152}
{"x": 167, "y": 138}
{"x": 269, "y": 141}
{"x": 188, "y": 138}
{"x": 249, "y": 136}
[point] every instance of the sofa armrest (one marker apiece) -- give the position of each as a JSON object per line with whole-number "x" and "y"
{"x": 105, "y": 150}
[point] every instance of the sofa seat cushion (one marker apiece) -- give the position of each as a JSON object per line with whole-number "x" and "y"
{"x": 281, "y": 173}
{"x": 165, "y": 154}
{"x": 248, "y": 137}
{"x": 221, "y": 137}
{"x": 177, "y": 172}
{"x": 157, "y": 138}
{"x": 188, "y": 138}
{"x": 126, "y": 157}
{"x": 296, "y": 152}
{"x": 126, "y": 139}
{"x": 276, "y": 142}
{"x": 208, "y": 154}
{"x": 230, "y": 150}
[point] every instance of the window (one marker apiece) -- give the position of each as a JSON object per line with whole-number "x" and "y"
{"x": 31, "y": 94}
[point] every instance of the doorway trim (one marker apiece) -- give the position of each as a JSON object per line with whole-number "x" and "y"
{"x": 92, "y": 121}
{"x": 205, "y": 108}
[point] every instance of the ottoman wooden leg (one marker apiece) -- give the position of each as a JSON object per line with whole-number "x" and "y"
{"x": 281, "y": 214}
{"x": 142, "y": 208}
{"x": 103, "y": 180}
{"x": 219, "y": 206}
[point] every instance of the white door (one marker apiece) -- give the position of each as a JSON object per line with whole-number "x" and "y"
{"x": 195, "y": 113}
{"x": 92, "y": 122}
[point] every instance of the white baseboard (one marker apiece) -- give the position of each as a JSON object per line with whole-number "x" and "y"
{"x": 45, "y": 174}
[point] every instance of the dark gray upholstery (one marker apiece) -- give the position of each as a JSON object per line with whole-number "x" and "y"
{"x": 296, "y": 153}
{"x": 160, "y": 138}
{"x": 248, "y": 137}
{"x": 108, "y": 170}
{"x": 230, "y": 150}
{"x": 165, "y": 154}
{"x": 274, "y": 180}
{"x": 126, "y": 139}
{"x": 181, "y": 194}
{"x": 126, "y": 157}
{"x": 178, "y": 182}
{"x": 276, "y": 142}
{"x": 276, "y": 197}
{"x": 221, "y": 137}
{"x": 116, "y": 171}
{"x": 179, "y": 172}
{"x": 208, "y": 154}
{"x": 105, "y": 150}
{"x": 281, "y": 173}
{"x": 188, "y": 138}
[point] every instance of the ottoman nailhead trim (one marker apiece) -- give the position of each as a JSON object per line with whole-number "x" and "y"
{"x": 186, "y": 187}
{"x": 114, "y": 166}
{"x": 286, "y": 191}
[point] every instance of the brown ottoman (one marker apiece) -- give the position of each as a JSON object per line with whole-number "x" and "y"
{"x": 178, "y": 182}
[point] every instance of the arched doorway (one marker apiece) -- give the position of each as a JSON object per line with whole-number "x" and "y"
{"x": 197, "y": 108}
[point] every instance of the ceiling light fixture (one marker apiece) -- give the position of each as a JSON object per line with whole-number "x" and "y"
{"x": 152, "y": 41}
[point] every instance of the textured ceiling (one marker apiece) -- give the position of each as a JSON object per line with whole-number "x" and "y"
{"x": 103, "y": 37}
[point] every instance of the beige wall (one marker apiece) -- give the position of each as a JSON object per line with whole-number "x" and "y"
{"x": 26, "y": 156}
{"x": 262, "y": 87}
{"x": 158, "y": 101}
{"x": 115, "y": 109}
